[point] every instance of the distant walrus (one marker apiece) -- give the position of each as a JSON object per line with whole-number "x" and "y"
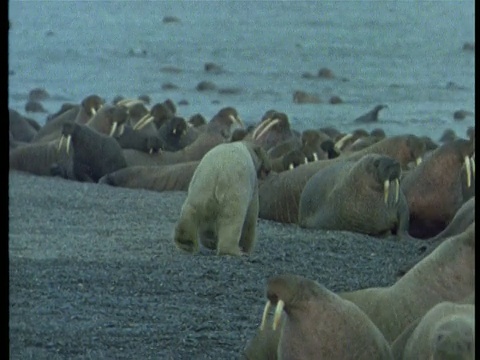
{"x": 280, "y": 193}
{"x": 434, "y": 190}
{"x": 355, "y": 195}
{"x": 175, "y": 177}
{"x": 315, "y": 323}
{"x": 371, "y": 116}
{"x": 94, "y": 154}
{"x": 446, "y": 331}
{"x": 447, "y": 274}
{"x": 222, "y": 202}
{"x": 217, "y": 131}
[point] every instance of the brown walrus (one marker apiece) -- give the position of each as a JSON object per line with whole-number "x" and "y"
{"x": 94, "y": 154}
{"x": 446, "y": 331}
{"x": 447, "y": 274}
{"x": 460, "y": 222}
{"x": 39, "y": 158}
{"x": 221, "y": 207}
{"x": 175, "y": 177}
{"x": 355, "y": 195}
{"x": 280, "y": 193}
{"x": 434, "y": 190}
{"x": 312, "y": 322}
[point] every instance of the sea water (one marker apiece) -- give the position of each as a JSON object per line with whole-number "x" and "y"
{"x": 407, "y": 55}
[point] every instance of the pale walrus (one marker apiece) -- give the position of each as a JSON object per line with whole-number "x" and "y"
{"x": 222, "y": 201}
{"x": 315, "y": 323}
{"x": 446, "y": 331}
{"x": 355, "y": 195}
{"x": 279, "y": 194}
{"x": 94, "y": 154}
{"x": 447, "y": 274}
{"x": 434, "y": 189}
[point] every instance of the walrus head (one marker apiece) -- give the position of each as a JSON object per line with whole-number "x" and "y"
{"x": 159, "y": 114}
{"x": 68, "y": 130}
{"x": 454, "y": 338}
{"x": 225, "y": 121}
{"x": 91, "y": 104}
{"x": 272, "y": 131}
{"x": 293, "y": 158}
{"x": 385, "y": 170}
{"x": 177, "y": 126}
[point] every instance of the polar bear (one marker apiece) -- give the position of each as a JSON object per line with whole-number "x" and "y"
{"x": 221, "y": 208}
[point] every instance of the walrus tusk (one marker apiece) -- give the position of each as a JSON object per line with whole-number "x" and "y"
{"x": 150, "y": 151}
{"x": 418, "y": 160}
{"x": 114, "y": 127}
{"x": 236, "y": 120}
{"x": 472, "y": 165}
{"x": 69, "y": 139}
{"x": 267, "y": 127}
{"x": 290, "y": 167}
{"x": 305, "y": 161}
{"x": 60, "y": 143}
{"x": 397, "y": 190}
{"x": 468, "y": 170}
{"x": 174, "y": 131}
{"x": 93, "y": 111}
{"x": 260, "y": 126}
{"x": 143, "y": 122}
{"x": 340, "y": 143}
{"x": 121, "y": 129}
{"x": 315, "y": 156}
{"x": 265, "y": 313}
{"x": 129, "y": 102}
{"x": 386, "y": 188}
{"x": 278, "y": 314}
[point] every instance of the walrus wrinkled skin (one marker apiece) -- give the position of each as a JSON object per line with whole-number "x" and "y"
{"x": 446, "y": 331}
{"x": 175, "y": 177}
{"x": 447, "y": 274}
{"x": 315, "y": 323}
{"x": 94, "y": 154}
{"x": 279, "y": 194}
{"x": 222, "y": 201}
{"x": 434, "y": 188}
{"x": 355, "y": 195}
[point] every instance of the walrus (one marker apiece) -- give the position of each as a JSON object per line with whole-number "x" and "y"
{"x": 272, "y": 130}
{"x": 21, "y": 128}
{"x": 355, "y": 195}
{"x": 313, "y": 322}
{"x": 173, "y": 132}
{"x": 312, "y": 141}
{"x": 39, "y": 158}
{"x": 434, "y": 189}
{"x": 279, "y": 194}
{"x": 447, "y": 274}
{"x": 34, "y": 107}
{"x": 137, "y": 140}
{"x": 175, "y": 177}
{"x": 217, "y": 131}
{"x": 371, "y": 116}
{"x": 344, "y": 142}
{"x": 79, "y": 113}
{"x": 289, "y": 161}
{"x": 302, "y": 97}
{"x": 221, "y": 207}
{"x": 157, "y": 116}
{"x": 282, "y": 148}
{"x": 460, "y": 222}
{"x": 446, "y": 331}
{"x": 94, "y": 154}
{"x": 109, "y": 120}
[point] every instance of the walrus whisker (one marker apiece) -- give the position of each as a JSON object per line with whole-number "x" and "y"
{"x": 397, "y": 190}
{"x": 468, "y": 170}
{"x": 114, "y": 127}
{"x": 260, "y": 126}
{"x": 386, "y": 188}
{"x": 267, "y": 127}
{"x": 418, "y": 160}
{"x": 265, "y": 313}
{"x": 340, "y": 143}
{"x": 278, "y": 314}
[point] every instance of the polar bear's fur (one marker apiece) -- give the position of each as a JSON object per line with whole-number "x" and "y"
{"x": 221, "y": 208}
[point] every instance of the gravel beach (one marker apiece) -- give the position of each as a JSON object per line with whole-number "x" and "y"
{"x": 94, "y": 273}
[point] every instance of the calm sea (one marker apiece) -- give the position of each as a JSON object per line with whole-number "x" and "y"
{"x": 405, "y": 54}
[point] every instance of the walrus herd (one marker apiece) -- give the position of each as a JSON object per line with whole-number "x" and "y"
{"x": 403, "y": 186}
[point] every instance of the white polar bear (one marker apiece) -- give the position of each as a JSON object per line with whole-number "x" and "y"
{"x": 221, "y": 208}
